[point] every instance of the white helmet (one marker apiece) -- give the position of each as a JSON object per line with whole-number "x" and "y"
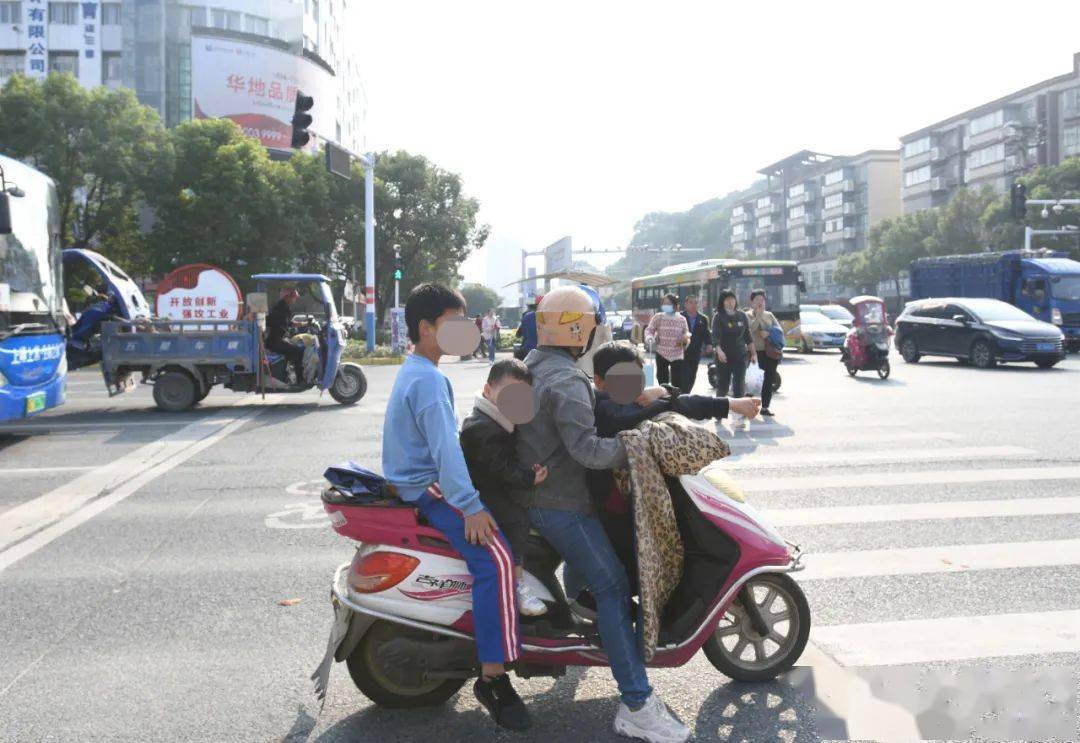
{"x": 565, "y": 317}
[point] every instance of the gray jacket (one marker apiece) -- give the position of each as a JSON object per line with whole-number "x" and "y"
{"x": 562, "y": 435}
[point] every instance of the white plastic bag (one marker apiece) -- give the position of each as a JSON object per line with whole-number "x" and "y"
{"x": 755, "y": 379}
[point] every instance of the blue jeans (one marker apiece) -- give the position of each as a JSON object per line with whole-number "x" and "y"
{"x": 492, "y": 345}
{"x": 582, "y": 542}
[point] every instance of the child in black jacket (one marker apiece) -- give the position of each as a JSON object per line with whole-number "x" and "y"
{"x": 487, "y": 440}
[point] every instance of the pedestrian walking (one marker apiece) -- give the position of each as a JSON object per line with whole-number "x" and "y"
{"x": 732, "y": 344}
{"x": 489, "y": 332}
{"x": 768, "y": 357}
{"x": 698, "y": 325}
{"x": 481, "y": 347}
{"x": 668, "y": 333}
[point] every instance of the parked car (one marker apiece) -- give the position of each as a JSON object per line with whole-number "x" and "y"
{"x": 982, "y": 331}
{"x": 835, "y": 312}
{"x": 815, "y": 330}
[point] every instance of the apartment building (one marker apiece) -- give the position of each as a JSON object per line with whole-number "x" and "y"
{"x": 992, "y": 144}
{"x": 240, "y": 59}
{"x": 815, "y": 207}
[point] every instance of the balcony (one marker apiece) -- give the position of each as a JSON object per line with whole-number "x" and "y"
{"x": 915, "y": 161}
{"x": 796, "y": 221}
{"x": 801, "y": 242}
{"x": 944, "y": 183}
{"x": 771, "y": 208}
{"x": 805, "y": 197}
{"x": 941, "y": 154}
{"x": 739, "y": 217}
{"x": 975, "y": 141}
{"x": 848, "y": 233}
{"x": 845, "y": 185}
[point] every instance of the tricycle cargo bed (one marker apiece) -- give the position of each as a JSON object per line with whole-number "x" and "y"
{"x": 153, "y": 345}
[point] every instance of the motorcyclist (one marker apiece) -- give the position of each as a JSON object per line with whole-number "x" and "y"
{"x": 103, "y": 305}
{"x": 562, "y": 436}
{"x": 278, "y": 327}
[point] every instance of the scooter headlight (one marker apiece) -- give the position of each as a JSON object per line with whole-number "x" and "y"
{"x": 378, "y": 571}
{"x": 1055, "y": 316}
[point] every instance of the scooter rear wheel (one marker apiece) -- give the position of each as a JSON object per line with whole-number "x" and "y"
{"x": 387, "y": 686}
{"x": 741, "y": 653}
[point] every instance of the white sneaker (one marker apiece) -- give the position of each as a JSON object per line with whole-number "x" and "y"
{"x": 654, "y": 723}
{"x": 528, "y": 604}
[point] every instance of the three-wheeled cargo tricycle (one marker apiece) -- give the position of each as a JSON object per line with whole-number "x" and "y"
{"x": 185, "y": 359}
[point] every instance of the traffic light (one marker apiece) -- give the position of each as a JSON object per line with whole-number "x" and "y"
{"x": 397, "y": 268}
{"x": 1018, "y": 197}
{"x": 301, "y": 120}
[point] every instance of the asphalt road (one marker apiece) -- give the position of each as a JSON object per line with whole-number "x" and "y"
{"x": 144, "y": 556}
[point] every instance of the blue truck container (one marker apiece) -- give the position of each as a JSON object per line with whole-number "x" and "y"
{"x": 1043, "y": 283}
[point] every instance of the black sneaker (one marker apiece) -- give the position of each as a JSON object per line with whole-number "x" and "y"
{"x": 503, "y": 703}
{"x": 767, "y": 413}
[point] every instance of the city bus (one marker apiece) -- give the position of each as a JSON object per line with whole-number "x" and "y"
{"x": 705, "y": 279}
{"x": 32, "y": 320}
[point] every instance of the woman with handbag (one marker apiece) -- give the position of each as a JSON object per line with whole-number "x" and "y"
{"x": 769, "y": 356}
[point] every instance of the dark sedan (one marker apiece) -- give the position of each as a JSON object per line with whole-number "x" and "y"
{"x": 982, "y": 331}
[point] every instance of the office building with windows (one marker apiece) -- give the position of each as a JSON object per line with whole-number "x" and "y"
{"x": 814, "y": 208}
{"x": 992, "y": 144}
{"x": 240, "y": 59}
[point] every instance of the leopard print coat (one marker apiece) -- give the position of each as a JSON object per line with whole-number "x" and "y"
{"x": 667, "y": 445}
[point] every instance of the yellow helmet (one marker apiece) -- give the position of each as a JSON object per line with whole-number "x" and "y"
{"x": 565, "y": 317}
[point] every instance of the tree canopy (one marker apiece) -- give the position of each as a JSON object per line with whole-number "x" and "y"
{"x": 153, "y": 199}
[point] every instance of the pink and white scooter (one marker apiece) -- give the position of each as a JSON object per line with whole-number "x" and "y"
{"x": 403, "y": 620}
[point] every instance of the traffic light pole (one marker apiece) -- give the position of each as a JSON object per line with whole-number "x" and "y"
{"x": 368, "y": 161}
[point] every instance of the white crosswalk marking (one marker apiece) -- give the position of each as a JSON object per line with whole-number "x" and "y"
{"x": 923, "y": 477}
{"x": 950, "y": 638}
{"x": 876, "y": 514}
{"x": 871, "y": 457}
{"x": 972, "y": 496}
{"x": 947, "y": 559}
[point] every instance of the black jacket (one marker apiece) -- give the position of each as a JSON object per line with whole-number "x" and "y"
{"x": 491, "y": 457}
{"x": 278, "y": 321}
{"x": 699, "y": 335}
{"x": 612, "y": 417}
{"x": 731, "y": 333}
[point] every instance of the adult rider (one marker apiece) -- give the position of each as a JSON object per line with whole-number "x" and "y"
{"x": 278, "y": 324}
{"x": 562, "y": 436}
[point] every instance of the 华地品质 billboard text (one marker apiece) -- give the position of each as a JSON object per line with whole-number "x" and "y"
{"x": 256, "y": 86}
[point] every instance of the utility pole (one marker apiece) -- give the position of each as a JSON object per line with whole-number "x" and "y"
{"x": 368, "y": 161}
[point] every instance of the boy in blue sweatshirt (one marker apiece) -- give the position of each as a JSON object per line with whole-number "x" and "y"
{"x": 422, "y": 458}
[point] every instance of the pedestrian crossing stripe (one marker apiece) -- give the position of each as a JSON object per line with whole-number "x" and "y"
{"x": 939, "y": 559}
{"x": 879, "y": 457}
{"x": 884, "y": 513}
{"x": 950, "y": 638}
{"x": 921, "y": 477}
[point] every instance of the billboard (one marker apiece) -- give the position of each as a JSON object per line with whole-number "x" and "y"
{"x": 558, "y": 255}
{"x": 256, "y": 86}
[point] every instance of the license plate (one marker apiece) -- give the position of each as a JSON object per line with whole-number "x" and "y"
{"x": 1046, "y": 347}
{"x": 35, "y": 403}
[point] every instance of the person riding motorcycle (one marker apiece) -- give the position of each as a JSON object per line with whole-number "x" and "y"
{"x": 562, "y": 436}
{"x": 278, "y": 327}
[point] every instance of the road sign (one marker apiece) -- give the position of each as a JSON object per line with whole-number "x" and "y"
{"x": 558, "y": 256}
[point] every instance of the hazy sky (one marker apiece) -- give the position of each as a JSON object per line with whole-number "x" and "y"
{"x": 576, "y": 118}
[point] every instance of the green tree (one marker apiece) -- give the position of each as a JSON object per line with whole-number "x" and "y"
{"x": 422, "y": 209}
{"x": 480, "y": 298}
{"x": 219, "y": 199}
{"x": 961, "y": 227}
{"x": 98, "y": 145}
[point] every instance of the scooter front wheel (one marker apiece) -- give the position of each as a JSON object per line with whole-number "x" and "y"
{"x": 387, "y": 683}
{"x": 738, "y": 650}
{"x": 883, "y": 369}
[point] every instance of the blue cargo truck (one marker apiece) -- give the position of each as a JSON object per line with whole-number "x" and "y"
{"x": 1043, "y": 283}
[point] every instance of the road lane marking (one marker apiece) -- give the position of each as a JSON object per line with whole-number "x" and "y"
{"x": 950, "y": 638}
{"x": 889, "y": 456}
{"x": 957, "y": 558}
{"x": 808, "y": 443}
{"x": 876, "y": 514}
{"x": 30, "y": 526}
{"x": 42, "y": 470}
{"x": 922, "y": 477}
{"x": 103, "y": 425}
